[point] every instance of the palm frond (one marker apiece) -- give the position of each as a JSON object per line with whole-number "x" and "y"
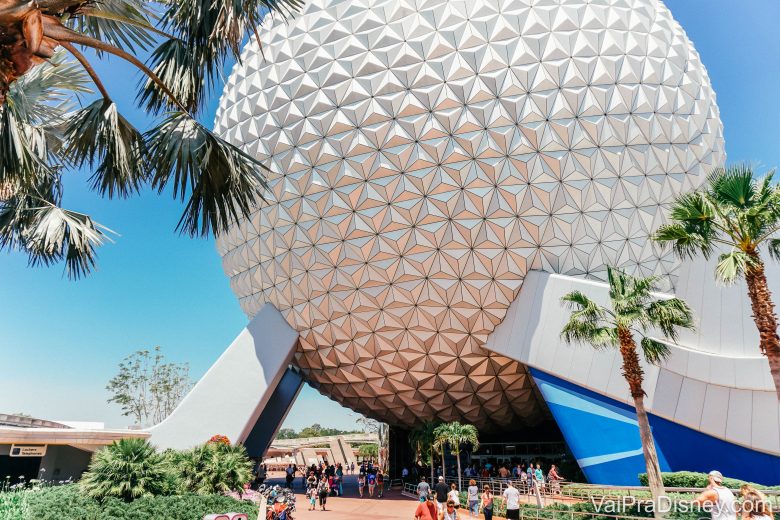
{"x": 685, "y": 243}
{"x": 222, "y": 182}
{"x": 584, "y": 308}
{"x": 60, "y": 234}
{"x": 100, "y": 136}
{"x": 189, "y": 72}
{"x": 733, "y": 265}
{"x": 45, "y": 93}
{"x": 127, "y": 24}
{"x": 669, "y": 315}
{"x": 654, "y": 351}
{"x": 773, "y": 246}
{"x": 205, "y": 37}
{"x": 733, "y": 186}
{"x": 32, "y": 221}
{"x": 576, "y": 331}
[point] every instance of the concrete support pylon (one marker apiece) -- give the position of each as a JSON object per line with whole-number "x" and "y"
{"x": 230, "y": 397}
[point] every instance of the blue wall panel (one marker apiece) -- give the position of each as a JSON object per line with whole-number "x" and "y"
{"x": 603, "y": 436}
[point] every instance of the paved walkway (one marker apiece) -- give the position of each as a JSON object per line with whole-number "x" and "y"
{"x": 392, "y": 506}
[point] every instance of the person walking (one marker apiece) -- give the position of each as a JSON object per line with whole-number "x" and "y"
{"x": 453, "y": 495}
{"x": 426, "y": 509}
{"x": 441, "y": 490}
{"x": 289, "y": 475}
{"x": 472, "y": 494}
{"x": 539, "y": 477}
{"x": 530, "y": 478}
{"x": 423, "y": 489}
{"x": 361, "y": 483}
{"x": 340, "y": 477}
{"x": 380, "y": 483}
{"x": 322, "y": 491}
{"x": 719, "y": 498}
{"x": 512, "y": 500}
{"x": 371, "y": 477}
{"x": 311, "y": 492}
{"x": 554, "y": 478}
{"x": 486, "y": 502}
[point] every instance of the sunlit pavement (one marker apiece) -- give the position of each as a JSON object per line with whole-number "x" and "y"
{"x": 393, "y": 505}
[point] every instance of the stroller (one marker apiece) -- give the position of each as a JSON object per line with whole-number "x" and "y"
{"x": 281, "y": 503}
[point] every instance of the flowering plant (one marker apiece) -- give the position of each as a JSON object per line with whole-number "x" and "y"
{"x": 219, "y": 439}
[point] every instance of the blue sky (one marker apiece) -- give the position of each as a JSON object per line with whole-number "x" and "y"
{"x": 60, "y": 341}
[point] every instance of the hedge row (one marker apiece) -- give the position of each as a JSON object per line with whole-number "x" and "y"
{"x": 691, "y": 479}
{"x": 67, "y": 503}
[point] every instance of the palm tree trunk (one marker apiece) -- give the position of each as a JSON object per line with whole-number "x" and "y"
{"x": 457, "y": 456}
{"x": 443, "y": 469}
{"x": 432, "y": 468}
{"x": 634, "y": 375}
{"x": 432, "y": 465}
{"x": 764, "y": 317}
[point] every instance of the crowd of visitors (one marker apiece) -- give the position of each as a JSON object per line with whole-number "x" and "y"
{"x": 518, "y": 480}
{"x": 527, "y": 478}
{"x": 323, "y": 480}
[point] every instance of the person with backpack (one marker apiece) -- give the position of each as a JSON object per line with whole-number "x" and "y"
{"x": 322, "y": 491}
{"x": 371, "y": 477}
{"x": 423, "y": 489}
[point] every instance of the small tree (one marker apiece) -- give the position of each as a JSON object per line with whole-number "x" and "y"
{"x": 740, "y": 214}
{"x": 456, "y": 434}
{"x": 211, "y": 468}
{"x": 147, "y": 388}
{"x": 127, "y": 469}
{"x": 368, "y": 451}
{"x": 633, "y": 310}
{"x": 422, "y": 439}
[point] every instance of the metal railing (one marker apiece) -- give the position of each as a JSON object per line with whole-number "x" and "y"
{"x": 563, "y": 491}
{"x": 498, "y": 485}
{"x": 589, "y": 492}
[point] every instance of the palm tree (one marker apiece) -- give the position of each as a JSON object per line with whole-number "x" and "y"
{"x": 422, "y": 439}
{"x": 456, "y": 434}
{"x": 740, "y": 214}
{"x": 44, "y": 133}
{"x": 127, "y": 469}
{"x": 633, "y": 310}
{"x": 212, "y": 468}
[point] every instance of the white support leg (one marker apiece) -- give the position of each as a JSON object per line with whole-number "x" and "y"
{"x": 229, "y": 398}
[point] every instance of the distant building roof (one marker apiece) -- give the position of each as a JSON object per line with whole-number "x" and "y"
{"x": 24, "y": 421}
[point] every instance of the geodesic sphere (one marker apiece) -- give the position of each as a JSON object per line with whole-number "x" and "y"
{"x": 425, "y": 155}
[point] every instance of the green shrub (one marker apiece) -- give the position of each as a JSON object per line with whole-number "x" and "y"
{"x": 211, "y": 468}
{"x": 12, "y": 505}
{"x": 691, "y": 479}
{"x": 127, "y": 469}
{"x": 67, "y": 503}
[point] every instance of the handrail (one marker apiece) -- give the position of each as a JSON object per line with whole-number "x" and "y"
{"x": 597, "y": 491}
{"x": 562, "y": 490}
